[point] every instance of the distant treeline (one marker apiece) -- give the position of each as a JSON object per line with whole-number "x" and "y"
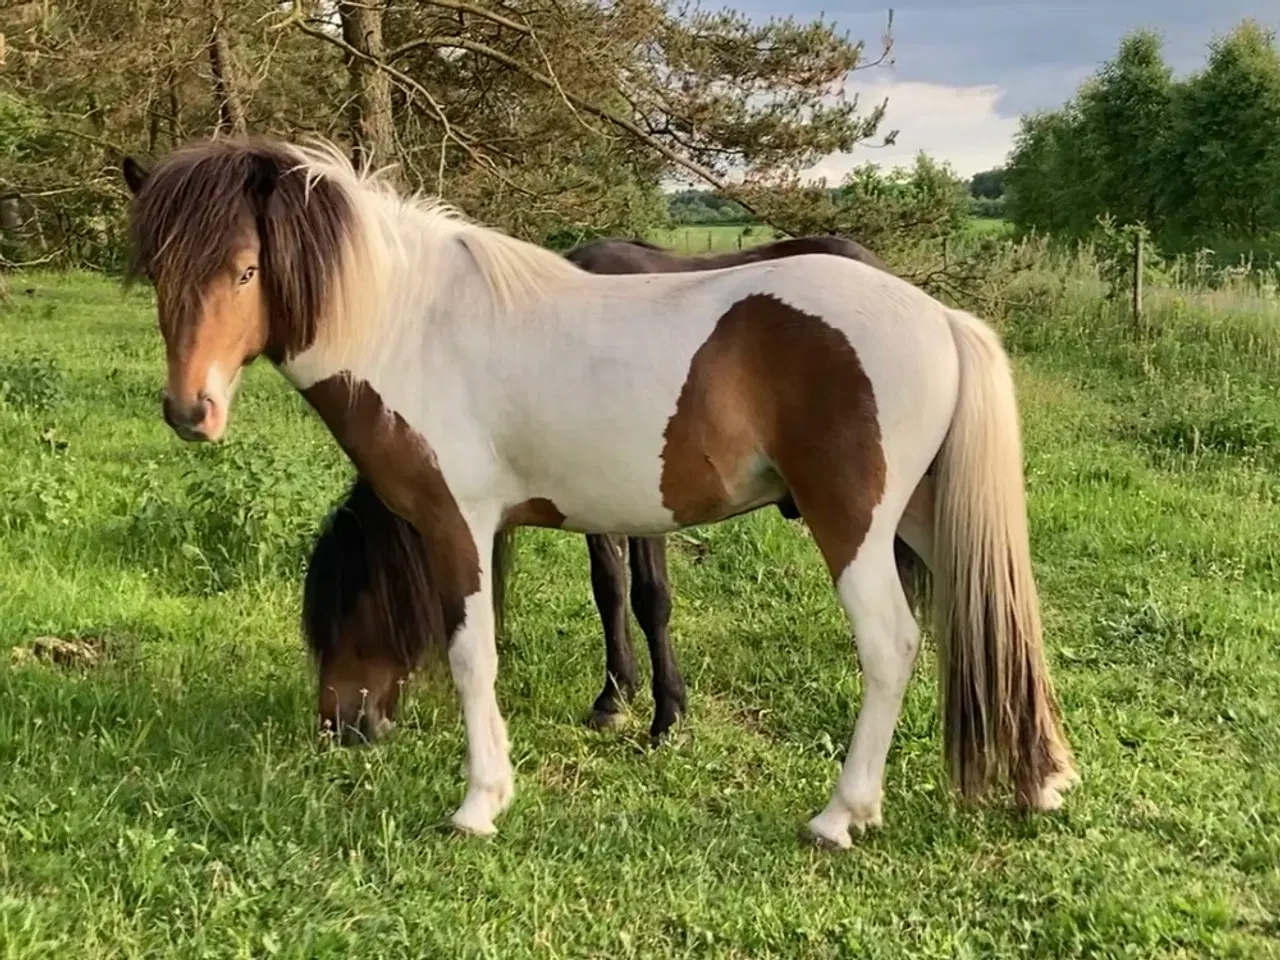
{"x": 706, "y": 207}
{"x": 1197, "y": 160}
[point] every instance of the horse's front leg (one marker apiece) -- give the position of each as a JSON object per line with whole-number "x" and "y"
{"x": 473, "y": 661}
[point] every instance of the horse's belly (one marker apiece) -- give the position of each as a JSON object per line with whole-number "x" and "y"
{"x": 602, "y": 488}
{"x": 616, "y": 483}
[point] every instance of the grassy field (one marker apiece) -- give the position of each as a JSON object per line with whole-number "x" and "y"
{"x": 163, "y": 795}
{"x": 718, "y": 238}
{"x": 711, "y": 238}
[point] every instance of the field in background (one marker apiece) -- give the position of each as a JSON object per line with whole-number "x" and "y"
{"x": 162, "y": 795}
{"x": 717, "y": 238}
{"x": 711, "y": 238}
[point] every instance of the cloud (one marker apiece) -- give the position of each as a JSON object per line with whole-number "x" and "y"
{"x": 965, "y": 70}
{"x": 960, "y": 125}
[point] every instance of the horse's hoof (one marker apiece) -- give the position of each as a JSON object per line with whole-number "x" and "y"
{"x": 660, "y": 736}
{"x": 834, "y": 827}
{"x": 827, "y": 834}
{"x": 603, "y": 720}
{"x": 1049, "y": 797}
{"x": 472, "y": 824}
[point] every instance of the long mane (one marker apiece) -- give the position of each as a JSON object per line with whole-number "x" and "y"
{"x": 333, "y": 239}
{"x": 515, "y": 270}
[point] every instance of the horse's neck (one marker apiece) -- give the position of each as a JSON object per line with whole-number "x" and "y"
{"x": 400, "y": 296}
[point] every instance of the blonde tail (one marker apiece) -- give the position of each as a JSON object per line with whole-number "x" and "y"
{"x": 1001, "y": 717}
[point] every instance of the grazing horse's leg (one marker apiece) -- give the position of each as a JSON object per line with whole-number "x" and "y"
{"x": 609, "y": 586}
{"x": 473, "y": 661}
{"x": 651, "y": 601}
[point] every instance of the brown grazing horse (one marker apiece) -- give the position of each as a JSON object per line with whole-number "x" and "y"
{"x": 368, "y": 596}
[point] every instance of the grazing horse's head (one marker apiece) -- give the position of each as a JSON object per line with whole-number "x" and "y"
{"x": 243, "y": 243}
{"x": 372, "y": 614}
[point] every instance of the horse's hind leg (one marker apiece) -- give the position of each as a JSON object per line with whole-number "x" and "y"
{"x": 651, "y": 602}
{"x": 609, "y": 587}
{"x": 887, "y": 640}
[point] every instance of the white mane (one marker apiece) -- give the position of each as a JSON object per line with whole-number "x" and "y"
{"x": 515, "y": 272}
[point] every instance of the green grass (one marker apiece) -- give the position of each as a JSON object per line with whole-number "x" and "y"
{"x": 696, "y": 239}
{"x": 988, "y": 227}
{"x": 170, "y": 801}
{"x": 701, "y": 238}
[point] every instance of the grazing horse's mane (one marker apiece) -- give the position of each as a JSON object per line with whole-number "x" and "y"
{"x": 330, "y": 237}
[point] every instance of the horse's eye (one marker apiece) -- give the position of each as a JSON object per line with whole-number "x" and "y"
{"x": 247, "y": 275}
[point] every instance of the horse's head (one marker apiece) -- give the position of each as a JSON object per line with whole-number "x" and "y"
{"x": 358, "y": 695}
{"x": 243, "y": 250}
{"x": 371, "y": 615}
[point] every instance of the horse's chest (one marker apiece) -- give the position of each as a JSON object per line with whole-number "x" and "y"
{"x": 400, "y": 466}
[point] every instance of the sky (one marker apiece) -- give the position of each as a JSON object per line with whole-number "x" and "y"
{"x": 965, "y": 70}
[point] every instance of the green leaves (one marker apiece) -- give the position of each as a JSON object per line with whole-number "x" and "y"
{"x": 1193, "y": 159}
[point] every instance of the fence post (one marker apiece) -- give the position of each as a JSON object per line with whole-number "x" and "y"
{"x": 945, "y": 244}
{"x": 708, "y": 239}
{"x": 1137, "y": 280}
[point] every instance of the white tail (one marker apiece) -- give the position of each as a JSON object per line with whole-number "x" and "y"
{"x": 1000, "y": 713}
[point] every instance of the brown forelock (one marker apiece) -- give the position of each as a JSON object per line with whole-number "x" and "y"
{"x": 778, "y": 384}
{"x": 401, "y": 468}
{"x": 188, "y": 218}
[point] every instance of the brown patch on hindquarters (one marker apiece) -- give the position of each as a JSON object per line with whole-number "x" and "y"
{"x": 401, "y": 468}
{"x": 778, "y": 386}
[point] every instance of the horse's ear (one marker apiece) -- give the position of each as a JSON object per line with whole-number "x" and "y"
{"x": 263, "y": 176}
{"x": 135, "y": 175}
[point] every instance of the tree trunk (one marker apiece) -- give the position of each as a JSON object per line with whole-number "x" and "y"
{"x": 372, "y": 126}
{"x": 231, "y": 117}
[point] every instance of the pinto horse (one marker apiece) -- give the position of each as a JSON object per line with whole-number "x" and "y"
{"x": 482, "y": 383}
{"x": 367, "y": 602}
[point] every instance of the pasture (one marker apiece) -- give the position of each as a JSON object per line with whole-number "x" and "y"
{"x": 162, "y": 791}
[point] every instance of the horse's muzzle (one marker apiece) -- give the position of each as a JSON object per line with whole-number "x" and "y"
{"x": 190, "y": 421}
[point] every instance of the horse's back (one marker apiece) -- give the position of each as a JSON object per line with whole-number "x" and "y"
{"x": 823, "y": 243}
{"x": 611, "y": 255}
{"x": 614, "y": 255}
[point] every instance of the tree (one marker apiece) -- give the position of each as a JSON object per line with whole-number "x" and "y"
{"x": 537, "y": 118}
{"x": 988, "y": 184}
{"x": 1044, "y": 176}
{"x": 372, "y": 123}
{"x": 1124, "y": 119}
{"x": 1193, "y": 160}
{"x": 890, "y": 211}
{"x": 226, "y": 91}
{"x": 1230, "y": 122}
{"x": 98, "y": 78}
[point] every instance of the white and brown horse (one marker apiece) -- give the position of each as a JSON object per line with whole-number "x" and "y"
{"x": 480, "y": 383}
{"x": 369, "y": 605}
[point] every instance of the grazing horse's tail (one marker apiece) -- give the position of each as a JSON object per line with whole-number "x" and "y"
{"x": 1001, "y": 715}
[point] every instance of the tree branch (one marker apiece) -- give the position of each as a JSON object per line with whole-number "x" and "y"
{"x": 449, "y": 132}
{"x": 484, "y": 50}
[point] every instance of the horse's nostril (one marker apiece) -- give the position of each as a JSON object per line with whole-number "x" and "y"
{"x": 181, "y": 417}
{"x": 365, "y": 729}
